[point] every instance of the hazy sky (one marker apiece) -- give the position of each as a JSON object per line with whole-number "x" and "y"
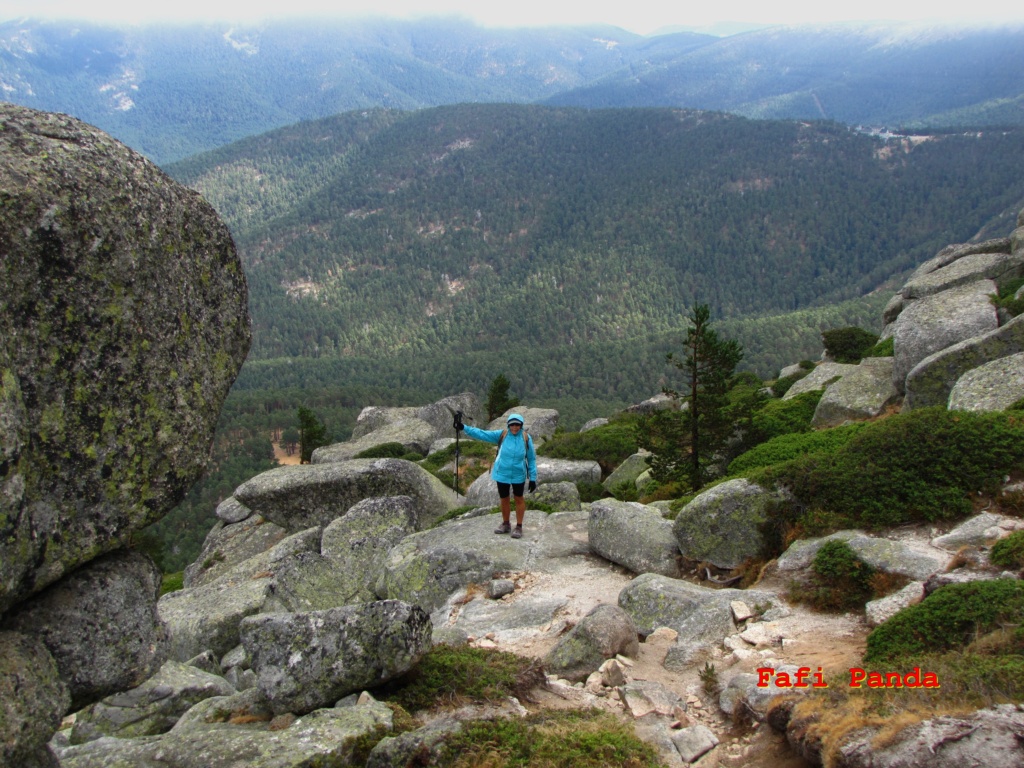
{"x": 641, "y": 16}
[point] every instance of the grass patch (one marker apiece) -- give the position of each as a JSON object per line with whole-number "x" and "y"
{"x": 450, "y": 674}
{"x": 784, "y": 417}
{"x": 788, "y": 447}
{"x": 172, "y": 582}
{"x": 550, "y": 739}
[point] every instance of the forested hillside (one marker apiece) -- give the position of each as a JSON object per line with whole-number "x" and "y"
{"x": 479, "y": 228}
{"x": 171, "y": 91}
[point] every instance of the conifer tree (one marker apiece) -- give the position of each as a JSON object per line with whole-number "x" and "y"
{"x": 684, "y": 442}
{"x": 312, "y": 434}
{"x": 498, "y": 400}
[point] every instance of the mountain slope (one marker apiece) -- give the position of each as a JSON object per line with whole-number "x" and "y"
{"x": 474, "y": 228}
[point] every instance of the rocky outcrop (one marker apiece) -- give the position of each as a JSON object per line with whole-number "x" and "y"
{"x": 980, "y": 530}
{"x": 33, "y": 699}
{"x": 123, "y": 326}
{"x": 306, "y": 661}
{"x": 915, "y": 560}
{"x": 819, "y": 378}
{"x": 228, "y": 546}
{"x": 932, "y": 380}
{"x": 861, "y": 394}
{"x": 301, "y": 496}
{"x": 604, "y": 633}
{"x": 939, "y": 321}
{"x": 628, "y": 471}
{"x": 150, "y": 709}
{"x": 634, "y": 536}
{"x": 324, "y": 737}
{"x": 484, "y": 493}
{"x": 100, "y": 624}
{"x": 427, "y": 567}
{"x": 993, "y": 386}
{"x": 722, "y": 525}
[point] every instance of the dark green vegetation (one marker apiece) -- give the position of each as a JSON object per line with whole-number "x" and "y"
{"x": 1005, "y": 299}
{"x": 950, "y": 619}
{"x": 1009, "y": 552}
{"x": 849, "y": 345}
{"x": 912, "y": 467}
{"x": 550, "y": 739}
{"x": 609, "y": 445}
{"x": 450, "y": 674}
{"x": 684, "y": 442}
{"x": 171, "y": 91}
{"x": 841, "y": 581}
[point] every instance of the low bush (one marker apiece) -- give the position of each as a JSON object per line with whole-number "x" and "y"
{"x": 784, "y": 417}
{"x": 918, "y": 466}
{"x": 389, "y": 451}
{"x": 841, "y": 581}
{"x": 1009, "y": 552}
{"x": 884, "y": 348}
{"x": 451, "y": 674}
{"x": 848, "y": 345}
{"x": 785, "y": 448}
{"x": 781, "y": 386}
{"x": 549, "y": 739}
{"x": 1005, "y": 298}
{"x": 948, "y": 619}
{"x": 609, "y": 445}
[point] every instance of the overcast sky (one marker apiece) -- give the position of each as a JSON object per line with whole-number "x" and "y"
{"x": 642, "y": 16}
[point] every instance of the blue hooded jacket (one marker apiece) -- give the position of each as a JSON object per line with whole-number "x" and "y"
{"x": 517, "y": 460}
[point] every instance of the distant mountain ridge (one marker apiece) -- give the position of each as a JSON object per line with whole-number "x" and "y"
{"x": 173, "y": 91}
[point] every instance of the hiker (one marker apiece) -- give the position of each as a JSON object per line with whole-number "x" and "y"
{"x": 516, "y": 462}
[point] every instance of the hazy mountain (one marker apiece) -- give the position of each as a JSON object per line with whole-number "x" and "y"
{"x": 172, "y": 91}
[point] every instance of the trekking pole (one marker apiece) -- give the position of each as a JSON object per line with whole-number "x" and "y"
{"x": 458, "y": 417}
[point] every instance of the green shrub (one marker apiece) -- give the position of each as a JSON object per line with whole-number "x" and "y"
{"x": 1005, "y": 298}
{"x": 781, "y": 386}
{"x": 609, "y": 445}
{"x": 785, "y": 448}
{"x": 625, "y": 490}
{"x": 884, "y": 348}
{"x": 918, "y": 466}
{"x": 468, "y": 449}
{"x": 848, "y": 345}
{"x": 389, "y": 451}
{"x": 783, "y": 417}
{"x": 842, "y": 580}
{"x": 1009, "y": 552}
{"x": 948, "y": 619}
{"x": 172, "y": 582}
{"x": 591, "y": 491}
{"x": 447, "y": 674}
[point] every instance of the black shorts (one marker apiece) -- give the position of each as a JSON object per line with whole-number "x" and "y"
{"x": 516, "y": 488}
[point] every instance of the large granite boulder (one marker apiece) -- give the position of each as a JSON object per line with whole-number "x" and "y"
{"x": 994, "y": 386}
{"x": 913, "y": 559}
{"x": 936, "y": 322}
{"x": 427, "y": 567}
{"x": 981, "y": 530}
{"x": 821, "y": 377}
{"x": 634, "y": 536}
{"x": 541, "y": 423}
{"x": 437, "y": 415}
{"x": 33, "y": 699}
{"x": 207, "y": 617}
{"x": 326, "y": 737}
{"x": 100, "y": 624}
{"x": 602, "y": 634}
{"x": 932, "y": 380}
{"x": 358, "y": 543}
{"x": 227, "y": 546}
{"x": 123, "y": 325}
{"x": 999, "y": 266}
{"x": 305, "y": 661}
{"x": 301, "y": 496}
{"x": 862, "y": 394}
{"x": 152, "y": 707}
{"x": 702, "y": 617}
{"x": 628, "y": 471}
{"x": 723, "y": 524}
{"x": 413, "y": 434}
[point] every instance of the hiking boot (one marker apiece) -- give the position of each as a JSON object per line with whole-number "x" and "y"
{"x": 518, "y": 532}
{"x": 504, "y": 528}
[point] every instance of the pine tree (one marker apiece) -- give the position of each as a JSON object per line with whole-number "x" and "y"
{"x": 684, "y": 442}
{"x": 498, "y": 400}
{"x": 312, "y": 434}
